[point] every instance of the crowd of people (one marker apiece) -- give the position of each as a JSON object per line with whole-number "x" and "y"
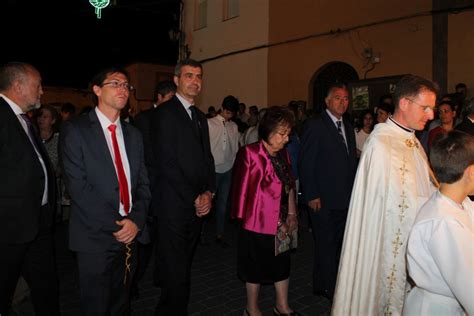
{"x": 385, "y": 192}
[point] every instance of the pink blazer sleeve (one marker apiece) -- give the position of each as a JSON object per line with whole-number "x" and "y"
{"x": 240, "y": 179}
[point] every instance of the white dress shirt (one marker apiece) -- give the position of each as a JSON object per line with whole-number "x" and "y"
{"x": 105, "y": 123}
{"x": 224, "y": 140}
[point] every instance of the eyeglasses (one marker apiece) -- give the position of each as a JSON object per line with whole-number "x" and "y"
{"x": 425, "y": 108}
{"x": 117, "y": 84}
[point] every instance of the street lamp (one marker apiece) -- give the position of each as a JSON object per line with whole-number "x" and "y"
{"x": 99, "y": 5}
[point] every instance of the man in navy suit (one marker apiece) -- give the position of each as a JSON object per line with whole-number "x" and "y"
{"x": 105, "y": 175}
{"x": 183, "y": 186}
{"x": 27, "y": 194}
{"x": 327, "y": 167}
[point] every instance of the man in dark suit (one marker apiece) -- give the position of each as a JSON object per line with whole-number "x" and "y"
{"x": 467, "y": 124}
{"x": 183, "y": 186}
{"x": 327, "y": 168}
{"x": 105, "y": 175}
{"x": 27, "y": 194}
{"x": 164, "y": 91}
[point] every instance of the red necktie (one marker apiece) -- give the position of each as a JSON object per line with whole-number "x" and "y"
{"x": 122, "y": 179}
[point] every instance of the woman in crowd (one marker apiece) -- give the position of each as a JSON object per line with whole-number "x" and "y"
{"x": 46, "y": 120}
{"x": 263, "y": 198}
{"x": 367, "y": 122}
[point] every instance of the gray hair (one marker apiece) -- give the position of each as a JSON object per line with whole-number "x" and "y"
{"x": 11, "y": 72}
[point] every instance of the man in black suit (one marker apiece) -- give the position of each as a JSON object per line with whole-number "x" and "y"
{"x": 164, "y": 91}
{"x": 183, "y": 186}
{"x": 467, "y": 124}
{"x": 27, "y": 194}
{"x": 105, "y": 175}
{"x": 327, "y": 169}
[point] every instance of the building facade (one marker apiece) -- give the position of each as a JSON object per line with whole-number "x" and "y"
{"x": 268, "y": 52}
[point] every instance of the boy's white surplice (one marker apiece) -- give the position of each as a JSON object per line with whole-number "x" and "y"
{"x": 440, "y": 258}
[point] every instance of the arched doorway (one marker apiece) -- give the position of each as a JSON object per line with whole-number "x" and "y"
{"x": 330, "y": 73}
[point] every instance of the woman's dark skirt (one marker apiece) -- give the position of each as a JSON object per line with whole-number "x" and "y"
{"x": 256, "y": 260}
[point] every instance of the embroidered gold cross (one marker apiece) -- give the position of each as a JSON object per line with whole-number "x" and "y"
{"x": 397, "y": 243}
{"x": 411, "y": 143}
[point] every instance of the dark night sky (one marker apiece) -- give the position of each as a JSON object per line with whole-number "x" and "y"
{"x": 68, "y": 44}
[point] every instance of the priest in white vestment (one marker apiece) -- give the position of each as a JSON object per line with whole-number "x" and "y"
{"x": 392, "y": 182}
{"x": 440, "y": 254}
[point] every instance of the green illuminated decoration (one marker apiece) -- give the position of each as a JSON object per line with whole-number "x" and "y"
{"x": 99, "y": 5}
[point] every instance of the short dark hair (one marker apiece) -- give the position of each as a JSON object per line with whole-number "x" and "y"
{"x": 386, "y": 107}
{"x": 254, "y": 109}
{"x": 461, "y": 85}
{"x": 163, "y": 88}
{"x": 186, "y": 62}
{"x": 230, "y": 103}
{"x": 100, "y": 77}
{"x": 451, "y": 154}
{"x": 274, "y": 117}
{"x": 449, "y": 103}
{"x": 410, "y": 86}
{"x": 13, "y": 71}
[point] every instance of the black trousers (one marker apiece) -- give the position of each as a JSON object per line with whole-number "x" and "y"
{"x": 175, "y": 246}
{"x": 103, "y": 281}
{"x": 35, "y": 262}
{"x": 328, "y": 233}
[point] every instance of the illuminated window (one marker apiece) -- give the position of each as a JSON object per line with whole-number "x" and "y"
{"x": 200, "y": 18}
{"x": 231, "y": 9}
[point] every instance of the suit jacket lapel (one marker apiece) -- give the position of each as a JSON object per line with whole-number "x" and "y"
{"x": 17, "y": 125}
{"x": 349, "y": 139}
{"x": 183, "y": 114}
{"x": 332, "y": 127}
{"x": 128, "y": 150}
{"x": 98, "y": 137}
{"x": 335, "y": 133}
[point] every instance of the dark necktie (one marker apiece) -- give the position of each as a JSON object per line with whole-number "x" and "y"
{"x": 31, "y": 132}
{"x": 339, "y": 129}
{"x": 194, "y": 118}
{"x": 122, "y": 178}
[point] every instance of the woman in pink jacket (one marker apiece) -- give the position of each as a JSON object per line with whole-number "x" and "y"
{"x": 263, "y": 198}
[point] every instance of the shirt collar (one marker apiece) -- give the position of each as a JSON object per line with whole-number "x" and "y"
{"x": 220, "y": 117}
{"x": 333, "y": 118}
{"x": 104, "y": 120}
{"x": 184, "y": 102}
{"x": 406, "y": 129}
{"x": 15, "y": 108}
